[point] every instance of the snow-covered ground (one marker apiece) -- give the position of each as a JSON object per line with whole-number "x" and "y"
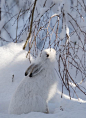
{"x": 13, "y": 62}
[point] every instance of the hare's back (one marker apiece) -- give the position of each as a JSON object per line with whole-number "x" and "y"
{"x": 27, "y": 98}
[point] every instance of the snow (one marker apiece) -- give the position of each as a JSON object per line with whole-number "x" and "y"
{"x": 13, "y": 61}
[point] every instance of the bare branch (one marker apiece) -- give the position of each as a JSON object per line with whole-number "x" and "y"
{"x": 30, "y": 25}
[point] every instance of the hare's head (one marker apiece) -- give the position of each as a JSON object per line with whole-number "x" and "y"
{"x": 44, "y": 60}
{"x": 47, "y": 56}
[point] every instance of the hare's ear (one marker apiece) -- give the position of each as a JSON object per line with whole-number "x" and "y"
{"x": 33, "y": 70}
{"x": 29, "y": 69}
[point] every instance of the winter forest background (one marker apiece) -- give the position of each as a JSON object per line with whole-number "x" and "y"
{"x": 41, "y": 24}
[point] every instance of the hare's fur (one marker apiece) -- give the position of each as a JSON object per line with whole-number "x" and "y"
{"x": 33, "y": 93}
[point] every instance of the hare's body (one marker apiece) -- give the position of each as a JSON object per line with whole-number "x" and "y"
{"x": 34, "y": 92}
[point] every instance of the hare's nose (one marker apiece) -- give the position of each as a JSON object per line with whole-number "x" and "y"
{"x": 26, "y": 73}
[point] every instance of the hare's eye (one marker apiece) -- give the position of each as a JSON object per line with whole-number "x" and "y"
{"x": 47, "y": 55}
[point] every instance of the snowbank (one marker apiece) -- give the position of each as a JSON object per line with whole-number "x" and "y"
{"x": 13, "y": 63}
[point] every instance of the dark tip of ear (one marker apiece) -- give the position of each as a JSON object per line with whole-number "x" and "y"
{"x": 30, "y": 75}
{"x": 47, "y": 55}
{"x": 26, "y": 74}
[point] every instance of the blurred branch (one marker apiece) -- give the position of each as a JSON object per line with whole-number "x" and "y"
{"x": 30, "y": 25}
{"x": 0, "y": 17}
{"x": 17, "y": 25}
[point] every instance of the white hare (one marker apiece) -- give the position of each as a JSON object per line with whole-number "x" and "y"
{"x": 38, "y": 87}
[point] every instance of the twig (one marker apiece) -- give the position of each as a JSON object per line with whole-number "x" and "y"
{"x": 30, "y": 26}
{"x": 17, "y": 25}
